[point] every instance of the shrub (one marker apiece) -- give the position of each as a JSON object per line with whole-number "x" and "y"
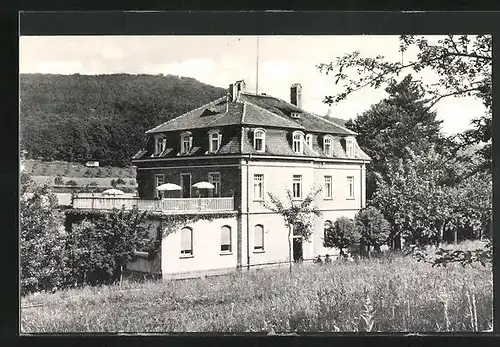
{"x": 41, "y": 238}
{"x": 373, "y": 227}
{"x": 113, "y": 183}
{"x": 98, "y": 249}
{"x": 120, "y": 181}
{"x": 58, "y": 180}
{"x": 342, "y": 234}
{"x": 71, "y": 183}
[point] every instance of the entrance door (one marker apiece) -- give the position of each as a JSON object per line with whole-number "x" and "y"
{"x": 186, "y": 185}
{"x": 297, "y": 249}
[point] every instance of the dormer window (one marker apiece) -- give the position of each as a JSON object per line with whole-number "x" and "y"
{"x": 215, "y": 140}
{"x": 160, "y": 144}
{"x": 259, "y": 140}
{"x": 349, "y": 147}
{"x": 309, "y": 141}
{"x": 328, "y": 145}
{"x": 298, "y": 140}
{"x": 186, "y": 142}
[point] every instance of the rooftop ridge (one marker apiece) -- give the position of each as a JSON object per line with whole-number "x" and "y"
{"x": 185, "y": 114}
{"x": 329, "y": 121}
{"x": 216, "y": 119}
{"x": 306, "y": 112}
{"x": 300, "y": 126}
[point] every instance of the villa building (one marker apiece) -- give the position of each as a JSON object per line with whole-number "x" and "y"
{"x": 247, "y": 146}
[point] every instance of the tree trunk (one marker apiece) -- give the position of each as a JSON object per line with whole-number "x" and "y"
{"x": 376, "y": 248}
{"x": 441, "y": 235}
{"x": 290, "y": 247}
{"x": 455, "y": 234}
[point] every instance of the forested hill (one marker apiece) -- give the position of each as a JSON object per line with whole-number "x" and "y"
{"x": 103, "y": 117}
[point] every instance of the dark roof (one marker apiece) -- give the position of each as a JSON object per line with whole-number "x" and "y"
{"x": 250, "y": 109}
{"x": 307, "y": 120}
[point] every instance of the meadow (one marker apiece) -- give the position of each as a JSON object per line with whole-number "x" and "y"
{"x": 393, "y": 293}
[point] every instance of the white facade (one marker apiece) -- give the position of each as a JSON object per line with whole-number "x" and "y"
{"x": 246, "y": 252}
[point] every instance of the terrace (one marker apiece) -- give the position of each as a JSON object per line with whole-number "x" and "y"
{"x": 173, "y": 205}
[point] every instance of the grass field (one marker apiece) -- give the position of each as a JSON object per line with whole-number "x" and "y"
{"x": 404, "y": 295}
{"x": 76, "y": 170}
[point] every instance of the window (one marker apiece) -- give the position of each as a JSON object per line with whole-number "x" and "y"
{"x": 328, "y": 226}
{"x": 186, "y": 241}
{"x": 328, "y": 146}
{"x": 186, "y": 142}
{"x": 225, "y": 239}
{"x": 258, "y": 239}
{"x": 309, "y": 141}
{"x": 349, "y": 148}
{"x": 298, "y": 138}
{"x": 259, "y": 140}
{"x": 258, "y": 187}
{"x": 297, "y": 186}
{"x": 214, "y": 178}
{"x": 215, "y": 139}
{"x": 350, "y": 187}
{"x": 160, "y": 145}
{"x": 159, "y": 182}
{"x": 328, "y": 187}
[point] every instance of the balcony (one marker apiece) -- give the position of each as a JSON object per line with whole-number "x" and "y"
{"x": 165, "y": 205}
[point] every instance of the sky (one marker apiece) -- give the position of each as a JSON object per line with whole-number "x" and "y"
{"x": 221, "y": 60}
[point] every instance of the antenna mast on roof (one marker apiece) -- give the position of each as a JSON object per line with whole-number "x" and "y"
{"x": 257, "y": 78}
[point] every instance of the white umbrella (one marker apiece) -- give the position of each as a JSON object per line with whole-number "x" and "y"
{"x": 203, "y": 185}
{"x": 169, "y": 186}
{"x": 112, "y": 192}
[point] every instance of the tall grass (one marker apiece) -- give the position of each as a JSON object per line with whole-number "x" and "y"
{"x": 390, "y": 294}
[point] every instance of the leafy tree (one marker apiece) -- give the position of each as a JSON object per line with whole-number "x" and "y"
{"x": 297, "y": 215}
{"x": 400, "y": 121}
{"x": 42, "y": 238}
{"x": 58, "y": 180}
{"x": 98, "y": 249}
{"x": 463, "y": 64}
{"x": 342, "y": 234}
{"x": 373, "y": 227}
{"x": 421, "y": 202}
{"x": 71, "y": 183}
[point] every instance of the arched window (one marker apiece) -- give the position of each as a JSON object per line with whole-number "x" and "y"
{"x": 259, "y": 140}
{"x": 186, "y": 241}
{"x": 349, "y": 147}
{"x": 309, "y": 141}
{"x": 186, "y": 142}
{"x": 298, "y": 139}
{"x": 225, "y": 239}
{"x": 328, "y": 145}
{"x": 214, "y": 140}
{"x": 160, "y": 144}
{"x": 328, "y": 226}
{"x": 258, "y": 239}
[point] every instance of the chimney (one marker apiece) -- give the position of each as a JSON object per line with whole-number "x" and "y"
{"x": 296, "y": 95}
{"x": 329, "y": 112}
{"x": 236, "y": 88}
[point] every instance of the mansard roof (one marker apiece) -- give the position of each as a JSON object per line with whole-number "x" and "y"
{"x": 252, "y": 110}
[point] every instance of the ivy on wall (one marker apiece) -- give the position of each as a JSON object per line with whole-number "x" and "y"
{"x": 168, "y": 223}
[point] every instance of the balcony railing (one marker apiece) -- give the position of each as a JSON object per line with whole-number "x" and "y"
{"x": 170, "y": 205}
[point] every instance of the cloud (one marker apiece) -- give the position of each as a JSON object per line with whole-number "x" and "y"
{"x": 277, "y": 68}
{"x": 112, "y": 53}
{"x": 190, "y": 67}
{"x": 55, "y": 67}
